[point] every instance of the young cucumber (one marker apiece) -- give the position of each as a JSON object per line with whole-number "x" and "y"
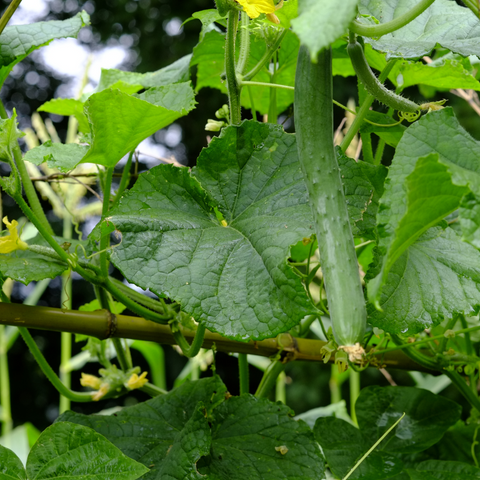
{"x": 314, "y": 127}
{"x": 373, "y": 86}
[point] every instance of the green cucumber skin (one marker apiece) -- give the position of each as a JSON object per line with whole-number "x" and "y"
{"x": 314, "y": 130}
{"x": 373, "y": 86}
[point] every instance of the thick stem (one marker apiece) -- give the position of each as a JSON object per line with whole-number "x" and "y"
{"x": 230, "y": 70}
{"x": 244, "y": 43}
{"x": 243, "y": 373}
{"x": 365, "y": 107}
{"x": 392, "y": 25}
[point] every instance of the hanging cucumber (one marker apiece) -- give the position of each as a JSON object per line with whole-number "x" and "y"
{"x": 371, "y": 83}
{"x": 314, "y": 127}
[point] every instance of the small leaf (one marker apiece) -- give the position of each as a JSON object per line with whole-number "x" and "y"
{"x": 247, "y": 435}
{"x": 11, "y": 468}
{"x": 70, "y": 451}
{"x": 57, "y": 155}
{"x": 120, "y": 121}
{"x": 20, "y": 40}
{"x": 427, "y": 417}
{"x": 67, "y": 107}
{"x": 176, "y": 72}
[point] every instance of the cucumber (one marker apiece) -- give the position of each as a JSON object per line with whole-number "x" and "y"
{"x": 314, "y": 130}
{"x": 373, "y": 86}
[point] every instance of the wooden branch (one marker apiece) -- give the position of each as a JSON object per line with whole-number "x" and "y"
{"x": 102, "y": 325}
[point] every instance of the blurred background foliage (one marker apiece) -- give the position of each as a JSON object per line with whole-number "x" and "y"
{"x": 140, "y": 35}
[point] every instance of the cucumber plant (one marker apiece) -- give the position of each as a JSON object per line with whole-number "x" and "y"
{"x": 271, "y": 239}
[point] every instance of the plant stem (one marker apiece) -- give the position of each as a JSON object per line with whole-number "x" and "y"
{"x": 243, "y": 373}
{"x": 232, "y": 84}
{"x": 193, "y": 349}
{"x": 470, "y": 351}
{"x": 124, "y": 180}
{"x": 45, "y": 232}
{"x": 473, "y": 6}
{"x": 263, "y": 84}
{"x": 66, "y": 338}
{"x": 27, "y": 183}
{"x": 267, "y": 56}
{"x": 155, "y": 357}
{"x": 49, "y": 373}
{"x": 363, "y": 110}
{"x": 269, "y": 379}
{"x": 244, "y": 43}
{"x": 105, "y": 239}
{"x": 354, "y": 393}
{"x": 464, "y": 389}
{"x": 280, "y": 389}
{"x": 392, "y": 25}
{"x": 123, "y": 357}
{"x": 152, "y": 390}
{"x": 272, "y": 107}
{"x": 7, "y": 15}
{"x": 6, "y": 417}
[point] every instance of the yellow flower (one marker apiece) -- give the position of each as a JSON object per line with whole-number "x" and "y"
{"x": 11, "y": 242}
{"x": 255, "y": 7}
{"x": 90, "y": 381}
{"x": 136, "y": 381}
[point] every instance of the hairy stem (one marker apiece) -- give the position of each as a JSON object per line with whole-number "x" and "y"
{"x": 243, "y": 373}
{"x": 230, "y": 70}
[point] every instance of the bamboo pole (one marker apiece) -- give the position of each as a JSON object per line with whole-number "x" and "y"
{"x": 102, "y": 325}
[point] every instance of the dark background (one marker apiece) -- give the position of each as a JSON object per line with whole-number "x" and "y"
{"x": 144, "y": 23}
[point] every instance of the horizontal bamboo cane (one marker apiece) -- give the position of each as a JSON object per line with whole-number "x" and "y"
{"x": 102, "y": 324}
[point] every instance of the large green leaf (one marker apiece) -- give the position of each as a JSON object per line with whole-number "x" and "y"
{"x": 232, "y": 277}
{"x": 427, "y": 417}
{"x": 445, "y": 23}
{"x": 70, "y": 451}
{"x": 343, "y": 444}
{"x": 57, "y": 155}
{"x": 11, "y": 467}
{"x": 257, "y": 439}
{"x": 439, "y": 470}
{"x": 145, "y": 432}
{"x": 436, "y": 276}
{"x": 320, "y": 23}
{"x": 120, "y": 122}
{"x": 20, "y": 40}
